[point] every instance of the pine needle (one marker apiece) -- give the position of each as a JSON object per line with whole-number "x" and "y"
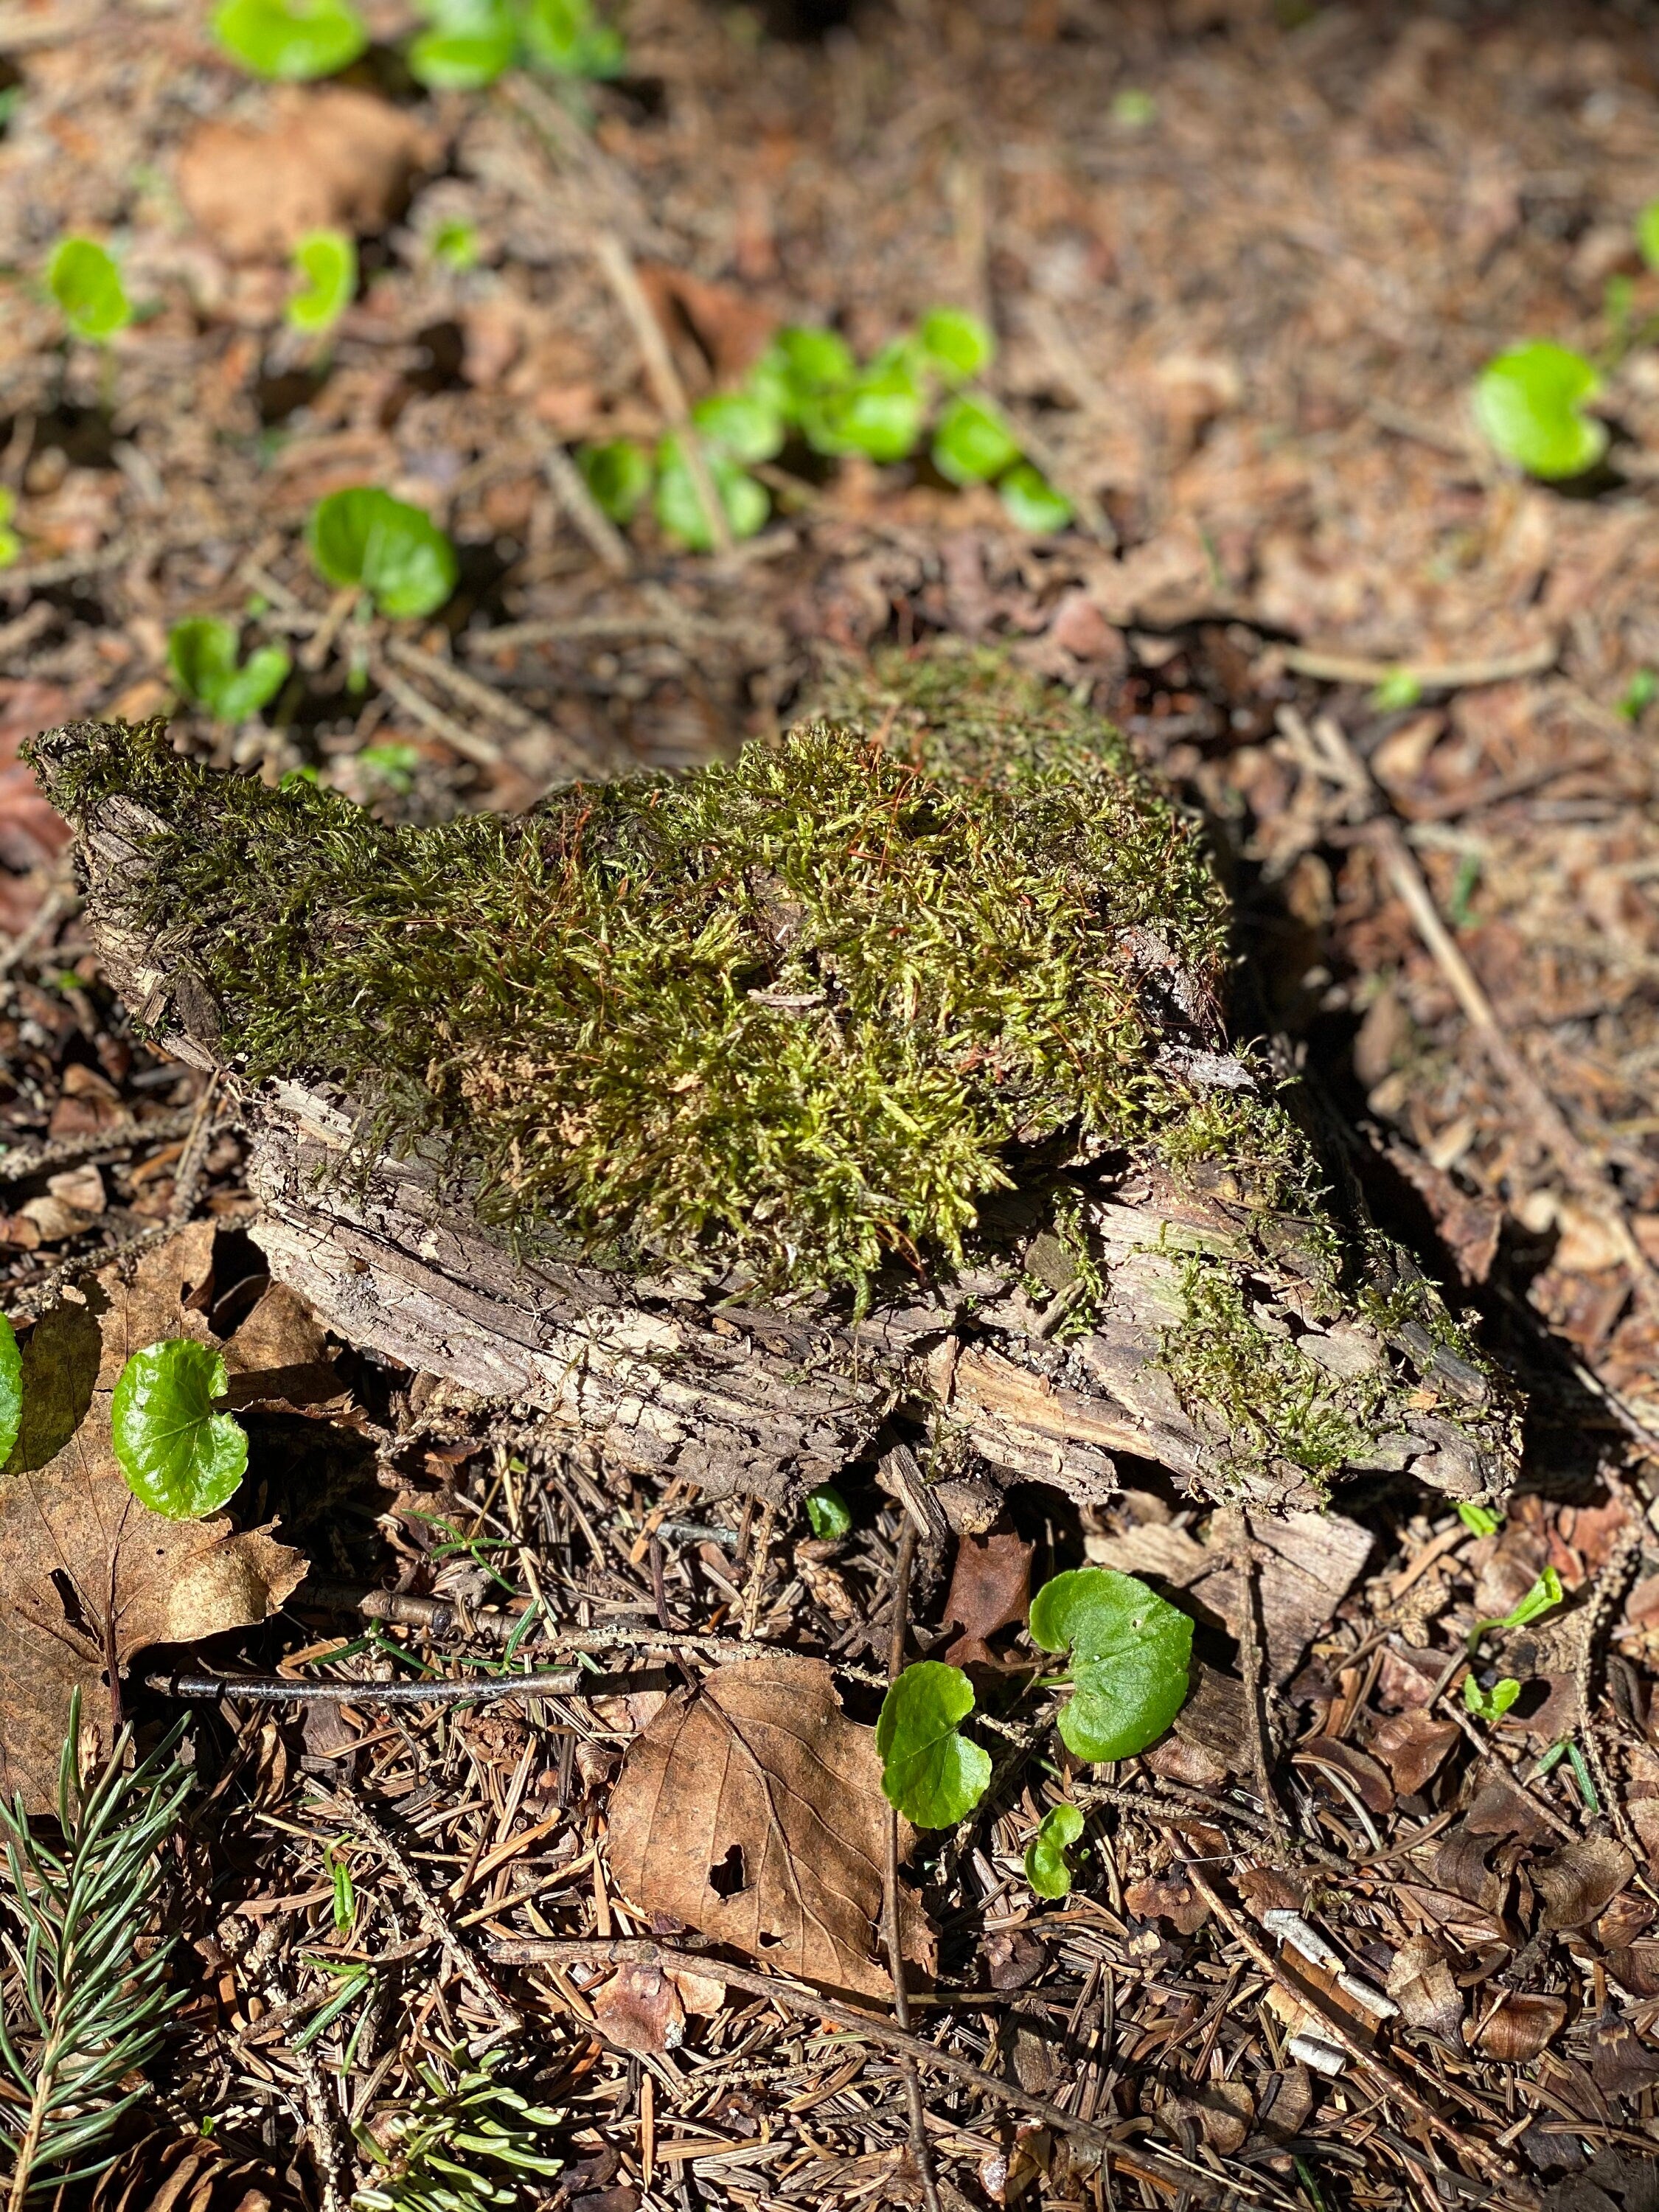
{"x": 81, "y": 2010}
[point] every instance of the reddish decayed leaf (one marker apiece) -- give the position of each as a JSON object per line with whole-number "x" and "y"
{"x": 1412, "y": 1747}
{"x": 990, "y": 1588}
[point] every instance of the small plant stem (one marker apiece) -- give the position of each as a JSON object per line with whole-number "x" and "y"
{"x": 752, "y": 1597}
{"x": 919, "y": 2145}
{"x": 29, "y": 2142}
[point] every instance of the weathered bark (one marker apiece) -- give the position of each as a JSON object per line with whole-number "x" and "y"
{"x": 664, "y": 1378}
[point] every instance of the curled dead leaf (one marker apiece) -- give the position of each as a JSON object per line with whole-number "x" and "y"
{"x": 1348, "y": 1772}
{"x": 1624, "y": 1920}
{"x": 88, "y": 1574}
{"x": 1420, "y": 1983}
{"x": 1176, "y": 1901}
{"x": 1500, "y": 1808}
{"x": 1621, "y": 2065}
{"x": 1223, "y": 2110}
{"x": 990, "y": 1588}
{"x": 1580, "y": 1880}
{"x": 751, "y": 1808}
{"x": 640, "y": 2009}
{"x": 1635, "y": 1967}
{"x": 1413, "y": 1747}
{"x": 1521, "y": 2027}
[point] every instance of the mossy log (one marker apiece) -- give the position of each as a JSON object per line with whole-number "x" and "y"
{"x": 875, "y": 1077}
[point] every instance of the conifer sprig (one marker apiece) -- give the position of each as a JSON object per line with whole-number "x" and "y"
{"x": 80, "y": 2009}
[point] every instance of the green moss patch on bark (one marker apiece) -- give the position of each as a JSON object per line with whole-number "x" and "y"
{"x": 792, "y": 1013}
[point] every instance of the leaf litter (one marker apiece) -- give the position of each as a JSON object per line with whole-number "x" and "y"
{"x": 1203, "y": 348}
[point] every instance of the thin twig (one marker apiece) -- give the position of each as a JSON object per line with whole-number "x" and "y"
{"x": 1430, "y": 675}
{"x": 488, "y": 698}
{"x": 806, "y": 2004}
{"x": 61, "y": 901}
{"x": 921, "y": 2149}
{"x": 752, "y": 1597}
{"x": 279, "y": 1690}
{"x": 24, "y": 1160}
{"x": 617, "y": 265}
{"x": 187, "y": 1175}
{"x": 1250, "y": 1660}
{"x": 472, "y": 1971}
{"x": 564, "y": 481}
{"x": 471, "y": 745}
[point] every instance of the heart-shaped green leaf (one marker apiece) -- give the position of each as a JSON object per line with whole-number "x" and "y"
{"x": 879, "y": 413}
{"x": 568, "y": 38}
{"x": 1530, "y": 403}
{"x": 1047, "y": 1867}
{"x": 1031, "y": 500}
{"x": 202, "y": 654}
{"x": 179, "y": 1456}
{"x": 87, "y": 285}
{"x": 291, "y": 38}
{"x": 740, "y": 425}
{"x": 399, "y": 556}
{"x": 929, "y": 1771}
{"x": 827, "y": 1513}
{"x": 956, "y": 346}
{"x": 679, "y": 504}
{"x": 11, "y": 1390}
{"x": 973, "y": 442}
{"x": 618, "y": 473}
{"x": 327, "y": 259}
{"x": 1130, "y": 1653}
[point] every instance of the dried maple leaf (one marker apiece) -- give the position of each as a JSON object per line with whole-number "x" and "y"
{"x": 751, "y": 1808}
{"x": 88, "y": 1575}
{"x": 990, "y": 1588}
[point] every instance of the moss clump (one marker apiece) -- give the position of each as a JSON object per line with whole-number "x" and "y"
{"x": 792, "y": 1013}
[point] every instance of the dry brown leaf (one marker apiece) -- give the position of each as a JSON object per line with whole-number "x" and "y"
{"x": 639, "y": 2009}
{"x": 331, "y": 156}
{"x": 1420, "y": 1983}
{"x": 1521, "y": 2027}
{"x": 1337, "y": 1764}
{"x": 1635, "y": 1967}
{"x": 1412, "y": 1747}
{"x": 751, "y": 1808}
{"x": 87, "y": 1573}
{"x": 990, "y": 1588}
{"x": 1223, "y": 2110}
{"x": 1580, "y": 1880}
{"x": 1501, "y": 1808}
{"x": 1308, "y": 1563}
{"x": 1165, "y": 1899}
{"x": 1620, "y": 2064}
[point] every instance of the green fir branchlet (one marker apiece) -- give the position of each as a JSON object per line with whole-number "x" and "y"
{"x": 83, "y": 2009}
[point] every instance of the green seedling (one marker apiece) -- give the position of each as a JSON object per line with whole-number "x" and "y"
{"x": 87, "y": 285}
{"x": 394, "y": 765}
{"x": 973, "y": 443}
{"x": 345, "y": 1895}
{"x": 929, "y": 1770}
{"x": 1543, "y": 1597}
{"x": 455, "y": 244}
{"x": 1031, "y": 500}
{"x": 466, "y": 2143}
{"x": 179, "y": 1456}
{"x": 1639, "y": 695}
{"x": 1399, "y": 690}
{"x": 1490, "y": 1704}
{"x": 799, "y": 368}
{"x": 679, "y": 506}
{"x": 742, "y": 427}
{"x": 879, "y": 413}
{"x": 1460, "y": 905}
{"x": 1133, "y": 109}
{"x": 1531, "y": 402}
{"x": 1479, "y": 1520}
{"x": 397, "y": 554}
{"x": 827, "y": 1513}
{"x": 1617, "y": 304}
{"x": 619, "y": 474}
{"x": 10, "y": 545}
{"x": 327, "y": 262}
{"x": 11, "y": 1390}
{"x": 1047, "y": 1867}
{"x": 1647, "y": 233}
{"x": 568, "y": 39}
{"x": 202, "y": 655}
{"x": 470, "y": 44}
{"x": 295, "y": 39}
{"x": 955, "y": 346}
{"x": 1130, "y": 1653}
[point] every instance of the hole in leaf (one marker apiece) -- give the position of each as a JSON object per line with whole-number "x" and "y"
{"x": 727, "y": 1877}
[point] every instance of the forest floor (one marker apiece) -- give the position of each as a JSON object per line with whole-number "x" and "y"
{"x": 1242, "y": 264}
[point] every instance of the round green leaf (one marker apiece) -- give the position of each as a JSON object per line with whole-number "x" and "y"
{"x": 449, "y": 60}
{"x": 879, "y": 413}
{"x": 11, "y": 1390}
{"x": 957, "y": 346}
{"x": 1130, "y": 1653}
{"x": 1047, "y": 1867}
{"x": 253, "y": 685}
{"x": 399, "y": 554}
{"x": 618, "y": 474}
{"x": 568, "y": 38}
{"x": 1529, "y": 403}
{"x": 455, "y": 244}
{"x": 827, "y": 1512}
{"x": 1032, "y": 502}
{"x": 202, "y": 654}
{"x": 973, "y": 443}
{"x": 680, "y": 510}
{"x": 933, "y": 1775}
{"x": 179, "y": 1457}
{"x": 292, "y": 39}
{"x": 87, "y": 285}
{"x": 799, "y": 366}
{"x": 327, "y": 259}
{"x": 740, "y": 425}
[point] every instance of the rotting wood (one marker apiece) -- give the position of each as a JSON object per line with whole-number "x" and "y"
{"x": 667, "y": 1377}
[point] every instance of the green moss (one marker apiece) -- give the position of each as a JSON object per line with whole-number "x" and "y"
{"x": 792, "y": 1013}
